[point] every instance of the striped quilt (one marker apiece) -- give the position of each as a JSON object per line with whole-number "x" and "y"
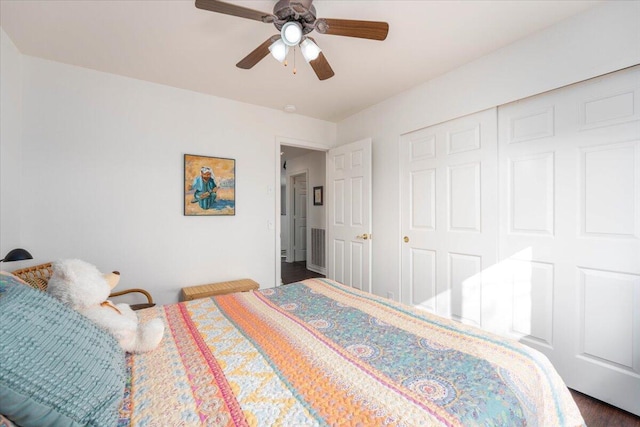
{"x": 319, "y": 353}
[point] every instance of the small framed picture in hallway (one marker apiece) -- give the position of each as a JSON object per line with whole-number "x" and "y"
{"x": 317, "y": 196}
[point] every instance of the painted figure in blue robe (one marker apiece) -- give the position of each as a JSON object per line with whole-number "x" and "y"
{"x": 206, "y": 190}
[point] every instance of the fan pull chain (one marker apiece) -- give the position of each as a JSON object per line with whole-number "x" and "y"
{"x": 294, "y": 61}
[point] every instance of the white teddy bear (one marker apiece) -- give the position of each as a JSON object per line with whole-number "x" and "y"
{"x": 81, "y": 286}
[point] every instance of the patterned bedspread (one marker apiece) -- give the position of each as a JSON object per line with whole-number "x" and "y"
{"x": 319, "y": 353}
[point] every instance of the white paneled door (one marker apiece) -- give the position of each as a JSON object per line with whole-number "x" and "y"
{"x": 449, "y": 215}
{"x": 300, "y": 217}
{"x": 570, "y": 231}
{"x": 349, "y": 214}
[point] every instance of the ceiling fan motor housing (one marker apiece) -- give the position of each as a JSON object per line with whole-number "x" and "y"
{"x": 301, "y": 11}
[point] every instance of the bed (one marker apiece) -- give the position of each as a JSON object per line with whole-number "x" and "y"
{"x": 320, "y": 353}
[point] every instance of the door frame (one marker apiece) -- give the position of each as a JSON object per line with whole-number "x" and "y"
{"x": 291, "y": 256}
{"x": 275, "y": 188}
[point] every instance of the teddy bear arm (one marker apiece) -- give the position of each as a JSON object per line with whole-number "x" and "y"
{"x": 149, "y": 336}
{"x": 121, "y": 327}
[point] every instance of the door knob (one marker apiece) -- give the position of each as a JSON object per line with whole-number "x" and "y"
{"x": 363, "y": 236}
{"x": 406, "y": 239}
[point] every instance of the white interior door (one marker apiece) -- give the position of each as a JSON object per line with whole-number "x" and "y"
{"x": 449, "y": 216}
{"x": 349, "y": 214}
{"x": 570, "y": 231}
{"x": 300, "y": 217}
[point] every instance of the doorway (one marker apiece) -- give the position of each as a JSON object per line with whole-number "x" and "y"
{"x": 301, "y": 168}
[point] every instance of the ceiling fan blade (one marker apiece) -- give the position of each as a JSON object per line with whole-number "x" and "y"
{"x": 373, "y": 30}
{"x": 235, "y": 10}
{"x": 257, "y": 54}
{"x": 321, "y": 67}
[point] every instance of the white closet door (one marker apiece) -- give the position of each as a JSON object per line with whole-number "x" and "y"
{"x": 449, "y": 215}
{"x": 570, "y": 231}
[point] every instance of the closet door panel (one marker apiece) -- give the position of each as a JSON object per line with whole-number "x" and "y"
{"x": 449, "y": 216}
{"x": 569, "y": 196}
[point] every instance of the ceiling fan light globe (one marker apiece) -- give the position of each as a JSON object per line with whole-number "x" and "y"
{"x": 291, "y": 33}
{"x": 310, "y": 50}
{"x": 279, "y": 50}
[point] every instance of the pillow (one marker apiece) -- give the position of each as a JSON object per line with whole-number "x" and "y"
{"x": 34, "y": 282}
{"x": 8, "y": 280}
{"x": 58, "y": 368}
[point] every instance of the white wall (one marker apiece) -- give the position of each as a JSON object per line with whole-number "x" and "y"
{"x": 10, "y": 158}
{"x": 104, "y": 177}
{"x": 598, "y": 41}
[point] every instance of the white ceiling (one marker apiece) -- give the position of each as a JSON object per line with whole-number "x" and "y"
{"x": 174, "y": 43}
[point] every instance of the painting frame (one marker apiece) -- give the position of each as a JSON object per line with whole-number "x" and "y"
{"x": 209, "y": 186}
{"x": 318, "y": 196}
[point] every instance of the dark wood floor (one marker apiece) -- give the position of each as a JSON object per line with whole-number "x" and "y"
{"x": 600, "y": 414}
{"x": 296, "y": 271}
{"x": 594, "y": 412}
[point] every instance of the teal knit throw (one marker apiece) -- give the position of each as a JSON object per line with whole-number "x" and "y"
{"x": 57, "y": 367}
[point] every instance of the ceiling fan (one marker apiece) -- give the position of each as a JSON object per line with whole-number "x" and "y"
{"x": 294, "y": 19}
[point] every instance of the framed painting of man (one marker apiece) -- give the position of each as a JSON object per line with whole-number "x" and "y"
{"x": 209, "y": 186}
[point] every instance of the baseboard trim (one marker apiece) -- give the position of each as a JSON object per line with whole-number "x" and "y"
{"x": 316, "y": 269}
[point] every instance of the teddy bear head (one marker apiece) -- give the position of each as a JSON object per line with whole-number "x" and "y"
{"x": 80, "y": 284}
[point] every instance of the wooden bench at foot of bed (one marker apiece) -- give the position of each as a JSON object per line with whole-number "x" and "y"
{"x": 202, "y": 291}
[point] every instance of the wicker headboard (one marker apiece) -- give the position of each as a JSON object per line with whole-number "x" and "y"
{"x": 36, "y": 276}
